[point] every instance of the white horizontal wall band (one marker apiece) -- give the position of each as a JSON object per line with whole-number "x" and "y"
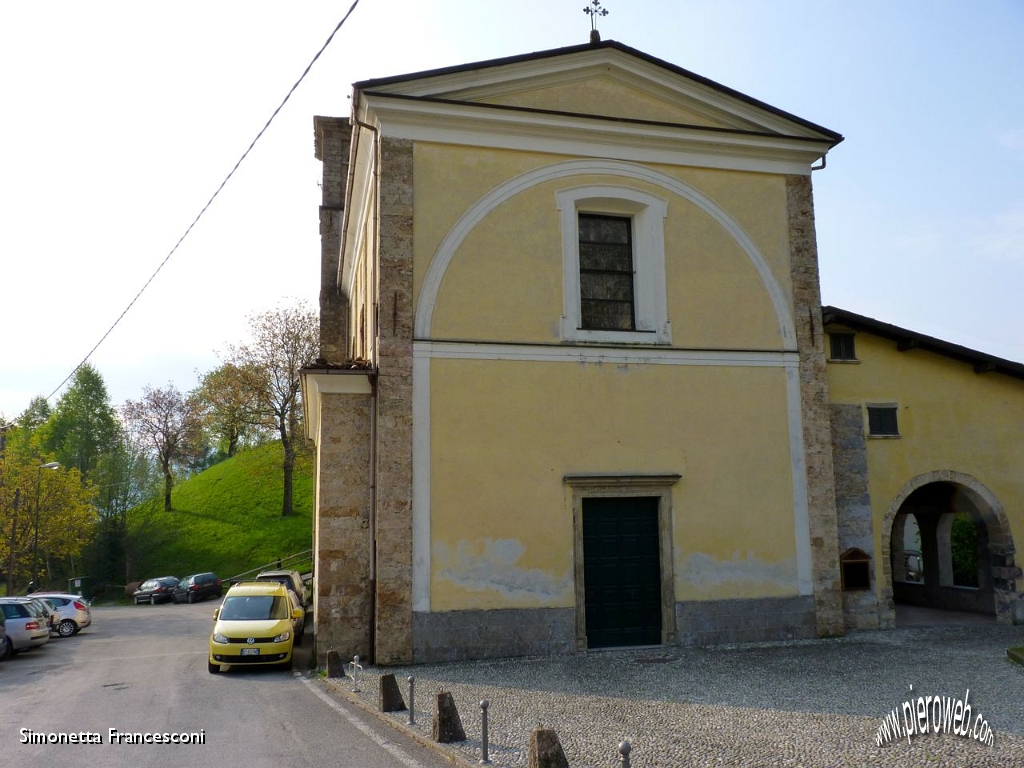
{"x": 693, "y": 147}
{"x": 458, "y": 350}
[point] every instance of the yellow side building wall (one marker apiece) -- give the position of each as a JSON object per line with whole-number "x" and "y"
{"x": 950, "y": 418}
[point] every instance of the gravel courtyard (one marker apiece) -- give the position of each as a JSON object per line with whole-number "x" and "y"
{"x": 795, "y": 703}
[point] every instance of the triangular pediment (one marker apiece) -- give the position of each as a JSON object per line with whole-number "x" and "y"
{"x": 854, "y": 554}
{"x": 605, "y": 80}
{"x": 610, "y": 95}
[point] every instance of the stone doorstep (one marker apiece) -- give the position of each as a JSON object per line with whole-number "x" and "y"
{"x": 449, "y": 753}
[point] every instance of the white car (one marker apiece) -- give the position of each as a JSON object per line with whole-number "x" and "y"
{"x": 73, "y": 609}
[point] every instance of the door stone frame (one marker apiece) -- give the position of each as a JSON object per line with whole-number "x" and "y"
{"x": 625, "y": 486}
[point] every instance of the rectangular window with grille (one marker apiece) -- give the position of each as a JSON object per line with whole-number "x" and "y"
{"x": 882, "y": 421}
{"x": 606, "y": 273}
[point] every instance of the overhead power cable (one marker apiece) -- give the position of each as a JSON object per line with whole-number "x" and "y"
{"x": 210, "y": 201}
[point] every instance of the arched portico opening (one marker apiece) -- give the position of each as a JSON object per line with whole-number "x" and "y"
{"x": 950, "y": 547}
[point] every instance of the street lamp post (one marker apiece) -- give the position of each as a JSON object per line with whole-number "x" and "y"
{"x": 35, "y": 535}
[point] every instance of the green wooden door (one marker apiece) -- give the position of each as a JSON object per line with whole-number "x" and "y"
{"x": 622, "y": 571}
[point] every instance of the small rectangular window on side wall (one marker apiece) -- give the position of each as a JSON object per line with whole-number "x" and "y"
{"x": 883, "y": 421}
{"x": 842, "y": 347}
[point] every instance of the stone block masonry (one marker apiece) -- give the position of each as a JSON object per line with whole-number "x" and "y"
{"x": 709, "y": 622}
{"x": 394, "y": 407}
{"x": 814, "y": 407}
{"x": 853, "y": 512}
{"x": 495, "y": 634}
{"x": 333, "y": 141}
{"x": 342, "y": 537}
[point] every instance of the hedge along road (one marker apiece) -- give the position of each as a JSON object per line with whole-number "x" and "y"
{"x": 142, "y": 670}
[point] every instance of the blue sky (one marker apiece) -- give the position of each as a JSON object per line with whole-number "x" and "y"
{"x": 122, "y": 118}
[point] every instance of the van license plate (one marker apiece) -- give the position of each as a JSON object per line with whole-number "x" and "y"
{"x": 250, "y": 651}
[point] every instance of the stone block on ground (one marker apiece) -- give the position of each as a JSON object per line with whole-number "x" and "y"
{"x": 447, "y": 725}
{"x": 546, "y": 750}
{"x": 390, "y": 696}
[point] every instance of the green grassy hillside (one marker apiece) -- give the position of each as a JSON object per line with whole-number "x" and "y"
{"x": 227, "y": 519}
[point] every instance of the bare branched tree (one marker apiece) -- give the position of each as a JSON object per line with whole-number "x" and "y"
{"x": 169, "y": 424}
{"x": 283, "y": 341}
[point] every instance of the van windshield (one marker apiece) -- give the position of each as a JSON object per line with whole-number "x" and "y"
{"x": 253, "y": 608}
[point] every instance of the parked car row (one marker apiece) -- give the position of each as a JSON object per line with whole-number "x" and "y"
{"x": 199, "y": 586}
{"x": 190, "y": 589}
{"x": 29, "y": 621}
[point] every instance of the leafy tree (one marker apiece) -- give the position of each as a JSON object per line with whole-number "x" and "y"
{"x": 67, "y": 520}
{"x": 283, "y": 341}
{"x": 230, "y": 408}
{"x": 132, "y": 478}
{"x": 963, "y": 543}
{"x": 22, "y": 434}
{"x": 37, "y": 414}
{"x": 84, "y": 424}
{"x": 168, "y": 423}
{"x": 46, "y": 515}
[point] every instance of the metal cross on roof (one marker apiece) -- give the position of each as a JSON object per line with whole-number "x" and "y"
{"x": 593, "y": 11}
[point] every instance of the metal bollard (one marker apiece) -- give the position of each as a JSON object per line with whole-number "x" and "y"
{"x": 356, "y": 669}
{"x": 412, "y": 700}
{"x": 624, "y": 750}
{"x": 484, "y": 759}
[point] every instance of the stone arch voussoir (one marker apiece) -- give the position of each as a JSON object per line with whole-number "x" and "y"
{"x": 1008, "y": 597}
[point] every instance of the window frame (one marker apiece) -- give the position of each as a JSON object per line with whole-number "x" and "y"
{"x": 647, "y": 213}
{"x": 893, "y": 407}
{"x": 615, "y": 274}
{"x": 840, "y": 337}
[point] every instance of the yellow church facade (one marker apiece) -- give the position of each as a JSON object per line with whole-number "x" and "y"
{"x": 573, "y": 390}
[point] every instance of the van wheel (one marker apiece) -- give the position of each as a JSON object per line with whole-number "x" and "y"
{"x": 213, "y": 668}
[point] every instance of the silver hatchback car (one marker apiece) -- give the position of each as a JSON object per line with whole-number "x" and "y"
{"x": 73, "y": 609}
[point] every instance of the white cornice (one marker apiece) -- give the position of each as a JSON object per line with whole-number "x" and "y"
{"x": 315, "y": 384}
{"x": 581, "y": 136}
{"x": 359, "y": 204}
{"x": 468, "y": 350}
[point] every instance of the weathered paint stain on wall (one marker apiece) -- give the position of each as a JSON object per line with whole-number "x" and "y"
{"x": 491, "y": 566}
{"x": 701, "y": 576}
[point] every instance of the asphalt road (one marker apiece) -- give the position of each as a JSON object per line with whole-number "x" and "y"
{"x": 142, "y": 669}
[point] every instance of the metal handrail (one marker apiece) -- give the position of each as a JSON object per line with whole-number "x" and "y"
{"x": 281, "y": 563}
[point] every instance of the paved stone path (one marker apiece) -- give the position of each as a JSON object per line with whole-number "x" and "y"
{"x": 796, "y": 703}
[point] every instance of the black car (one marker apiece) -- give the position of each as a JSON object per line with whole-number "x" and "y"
{"x": 154, "y": 591}
{"x": 192, "y": 589}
